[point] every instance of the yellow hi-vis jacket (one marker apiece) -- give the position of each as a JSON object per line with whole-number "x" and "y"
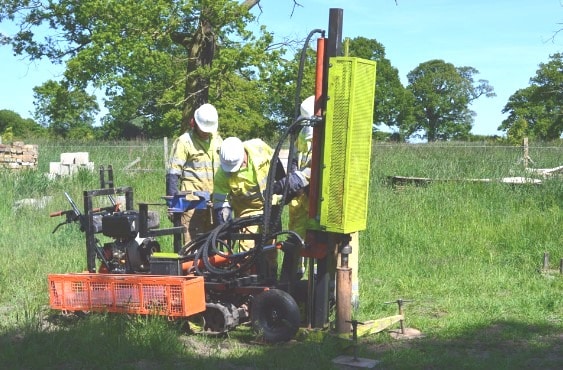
{"x": 195, "y": 160}
{"x": 299, "y": 206}
{"x": 244, "y": 189}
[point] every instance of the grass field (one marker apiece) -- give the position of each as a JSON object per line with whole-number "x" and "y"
{"x": 466, "y": 255}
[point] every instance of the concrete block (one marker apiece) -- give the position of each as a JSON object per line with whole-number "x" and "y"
{"x": 75, "y": 158}
{"x": 54, "y": 168}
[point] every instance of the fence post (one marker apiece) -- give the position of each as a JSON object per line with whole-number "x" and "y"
{"x": 526, "y": 153}
{"x": 545, "y": 261}
{"x": 165, "y": 152}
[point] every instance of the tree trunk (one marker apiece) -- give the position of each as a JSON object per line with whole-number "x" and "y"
{"x": 201, "y": 50}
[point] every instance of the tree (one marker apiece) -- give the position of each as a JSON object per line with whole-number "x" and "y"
{"x": 66, "y": 111}
{"x": 442, "y": 95}
{"x": 155, "y": 60}
{"x": 284, "y": 84}
{"x": 537, "y": 111}
{"x": 393, "y": 106}
{"x": 18, "y": 127}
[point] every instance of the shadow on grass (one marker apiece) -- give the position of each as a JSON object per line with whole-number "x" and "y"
{"x": 122, "y": 342}
{"x": 500, "y": 345}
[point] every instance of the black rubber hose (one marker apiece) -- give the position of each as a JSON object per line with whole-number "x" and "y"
{"x": 273, "y": 164}
{"x": 301, "y": 68}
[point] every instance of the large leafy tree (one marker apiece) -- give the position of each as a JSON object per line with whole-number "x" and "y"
{"x": 16, "y": 127}
{"x": 537, "y": 110}
{"x": 393, "y": 103}
{"x": 442, "y": 95}
{"x": 295, "y": 77}
{"x": 392, "y": 106}
{"x": 65, "y": 111}
{"x": 154, "y": 60}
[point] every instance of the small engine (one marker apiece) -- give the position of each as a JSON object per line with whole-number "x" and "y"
{"x": 127, "y": 253}
{"x": 120, "y": 225}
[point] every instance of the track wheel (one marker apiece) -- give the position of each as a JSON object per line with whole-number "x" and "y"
{"x": 275, "y": 316}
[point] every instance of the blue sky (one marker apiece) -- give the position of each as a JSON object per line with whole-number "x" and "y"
{"x": 505, "y": 40}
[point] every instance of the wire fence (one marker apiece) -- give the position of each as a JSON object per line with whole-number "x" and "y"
{"x": 463, "y": 160}
{"x": 140, "y": 156}
{"x": 442, "y": 159}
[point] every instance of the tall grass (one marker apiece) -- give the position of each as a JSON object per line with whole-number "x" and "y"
{"x": 466, "y": 256}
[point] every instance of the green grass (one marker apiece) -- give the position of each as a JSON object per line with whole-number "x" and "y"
{"x": 467, "y": 257}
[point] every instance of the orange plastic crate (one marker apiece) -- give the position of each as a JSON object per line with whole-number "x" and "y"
{"x": 175, "y": 296}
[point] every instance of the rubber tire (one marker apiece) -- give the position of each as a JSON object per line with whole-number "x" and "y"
{"x": 275, "y": 316}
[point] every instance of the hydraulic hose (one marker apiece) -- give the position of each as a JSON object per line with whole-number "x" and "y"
{"x": 301, "y": 68}
{"x": 292, "y": 153}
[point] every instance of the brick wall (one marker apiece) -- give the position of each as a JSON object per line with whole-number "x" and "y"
{"x": 19, "y": 155}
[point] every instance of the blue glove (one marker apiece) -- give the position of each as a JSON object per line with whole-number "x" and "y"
{"x": 293, "y": 181}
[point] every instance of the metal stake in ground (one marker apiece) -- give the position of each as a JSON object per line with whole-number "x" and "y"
{"x": 404, "y": 333}
{"x": 355, "y": 361}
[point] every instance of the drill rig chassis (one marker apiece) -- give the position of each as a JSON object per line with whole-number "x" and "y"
{"x": 205, "y": 281}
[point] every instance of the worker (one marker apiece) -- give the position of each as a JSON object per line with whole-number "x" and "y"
{"x": 239, "y": 186}
{"x": 299, "y": 205}
{"x": 298, "y": 178}
{"x": 193, "y": 162}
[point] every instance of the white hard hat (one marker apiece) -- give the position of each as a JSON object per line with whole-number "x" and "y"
{"x": 308, "y": 107}
{"x": 206, "y": 118}
{"x": 231, "y": 154}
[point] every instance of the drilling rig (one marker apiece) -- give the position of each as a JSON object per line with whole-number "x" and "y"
{"x": 209, "y": 277}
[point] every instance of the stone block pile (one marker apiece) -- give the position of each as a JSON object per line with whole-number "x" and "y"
{"x": 18, "y": 155}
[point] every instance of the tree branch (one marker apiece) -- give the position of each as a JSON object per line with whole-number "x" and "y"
{"x": 248, "y": 4}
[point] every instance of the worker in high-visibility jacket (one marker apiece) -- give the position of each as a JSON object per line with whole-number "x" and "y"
{"x": 298, "y": 178}
{"x": 299, "y": 174}
{"x": 192, "y": 165}
{"x": 299, "y": 206}
{"x": 240, "y": 183}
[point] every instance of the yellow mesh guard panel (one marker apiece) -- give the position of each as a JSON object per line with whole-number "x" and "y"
{"x": 347, "y": 146}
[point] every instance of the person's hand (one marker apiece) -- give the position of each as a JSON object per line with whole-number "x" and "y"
{"x": 278, "y": 187}
{"x": 223, "y": 215}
